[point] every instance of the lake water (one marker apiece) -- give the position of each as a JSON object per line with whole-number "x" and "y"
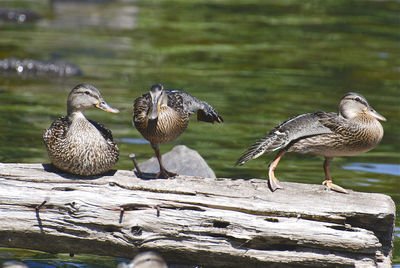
{"x": 257, "y": 62}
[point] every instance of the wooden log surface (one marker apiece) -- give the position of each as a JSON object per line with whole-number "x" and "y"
{"x": 191, "y": 220}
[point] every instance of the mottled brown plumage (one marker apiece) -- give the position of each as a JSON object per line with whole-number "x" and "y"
{"x": 354, "y": 130}
{"x": 163, "y": 115}
{"x": 170, "y": 123}
{"x": 77, "y": 145}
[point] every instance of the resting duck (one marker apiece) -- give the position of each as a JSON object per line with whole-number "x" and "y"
{"x": 77, "y": 145}
{"x": 162, "y": 115}
{"x": 354, "y": 130}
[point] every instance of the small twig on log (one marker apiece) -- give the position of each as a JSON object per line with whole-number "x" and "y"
{"x": 158, "y": 210}
{"x": 37, "y": 208}
{"x": 133, "y": 157}
{"x": 121, "y": 215}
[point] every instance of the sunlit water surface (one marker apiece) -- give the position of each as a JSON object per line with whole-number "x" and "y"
{"x": 257, "y": 62}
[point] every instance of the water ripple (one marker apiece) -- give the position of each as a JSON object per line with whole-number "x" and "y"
{"x": 391, "y": 169}
{"x": 132, "y": 141}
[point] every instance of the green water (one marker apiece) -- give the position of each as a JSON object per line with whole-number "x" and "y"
{"x": 257, "y": 62}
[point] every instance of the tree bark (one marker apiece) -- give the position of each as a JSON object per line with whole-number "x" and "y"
{"x": 191, "y": 220}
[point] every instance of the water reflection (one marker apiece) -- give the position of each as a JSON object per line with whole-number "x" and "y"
{"x": 109, "y": 14}
{"x": 132, "y": 140}
{"x": 392, "y": 169}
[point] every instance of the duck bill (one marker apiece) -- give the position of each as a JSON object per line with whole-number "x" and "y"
{"x": 373, "y": 113}
{"x": 155, "y": 111}
{"x": 106, "y": 107}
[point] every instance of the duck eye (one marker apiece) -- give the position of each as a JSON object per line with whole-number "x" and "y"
{"x": 358, "y": 99}
{"x": 87, "y": 92}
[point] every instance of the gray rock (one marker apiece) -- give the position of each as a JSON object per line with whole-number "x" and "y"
{"x": 14, "y": 264}
{"x": 147, "y": 259}
{"x": 181, "y": 160}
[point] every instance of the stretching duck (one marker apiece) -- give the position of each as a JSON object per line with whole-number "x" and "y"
{"x": 354, "y": 130}
{"x": 77, "y": 145}
{"x": 162, "y": 115}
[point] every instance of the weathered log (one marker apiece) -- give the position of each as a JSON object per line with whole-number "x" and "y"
{"x": 193, "y": 220}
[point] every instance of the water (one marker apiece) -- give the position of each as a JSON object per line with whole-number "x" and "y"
{"x": 391, "y": 169}
{"x": 257, "y": 62}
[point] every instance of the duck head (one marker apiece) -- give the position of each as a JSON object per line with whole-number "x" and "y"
{"x": 85, "y": 96}
{"x": 352, "y": 105}
{"x": 158, "y": 98}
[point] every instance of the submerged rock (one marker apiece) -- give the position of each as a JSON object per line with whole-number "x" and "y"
{"x": 147, "y": 259}
{"x": 181, "y": 160}
{"x": 39, "y": 67}
{"x": 14, "y": 264}
{"x": 18, "y": 15}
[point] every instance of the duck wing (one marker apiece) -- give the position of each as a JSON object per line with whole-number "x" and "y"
{"x": 105, "y": 132}
{"x": 57, "y": 130}
{"x": 295, "y": 128}
{"x": 191, "y": 104}
{"x": 335, "y": 123}
{"x": 141, "y": 108}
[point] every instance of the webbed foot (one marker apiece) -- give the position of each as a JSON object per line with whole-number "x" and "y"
{"x": 273, "y": 182}
{"x": 165, "y": 174}
{"x": 330, "y": 185}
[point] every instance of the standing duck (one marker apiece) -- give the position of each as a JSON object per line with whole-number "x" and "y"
{"x": 354, "y": 130}
{"x": 77, "y": 145}
{"x": 162, "y": 115}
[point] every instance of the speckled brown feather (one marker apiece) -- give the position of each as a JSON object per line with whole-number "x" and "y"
{"x": 170, "y": 124}
{"x": 80, "y": 154}
{"x": 173, "y": 118}
{"x": 348, "y": 137}
{"x": 320, "y": 133}
{"x": 353, "y": 130}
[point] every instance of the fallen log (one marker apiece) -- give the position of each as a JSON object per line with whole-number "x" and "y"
{"x": 192, "y": 220}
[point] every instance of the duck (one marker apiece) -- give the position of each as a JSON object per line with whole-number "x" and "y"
{"x": 355, "y": 129}
{"x": 162, "y": 115}
{"x": 77, "y": 145}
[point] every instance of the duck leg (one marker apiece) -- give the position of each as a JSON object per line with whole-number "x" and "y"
{"x": 163, "y": 172}
{"x": 328, "y": 179}
{"x": 273, "y": 181}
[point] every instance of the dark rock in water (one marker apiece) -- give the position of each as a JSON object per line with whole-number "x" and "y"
{"x": 181, "y": 160}
{"x": 39, "y": 67}
{"x": 18, "y": 15}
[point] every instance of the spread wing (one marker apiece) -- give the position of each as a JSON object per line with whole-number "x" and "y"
{"x": 295, "y": 128}
{"x": 191, "y": 104}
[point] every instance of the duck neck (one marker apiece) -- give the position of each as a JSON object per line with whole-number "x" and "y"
{"x": 372, "y": 126}
{"x": 75, "y": 115}
{"x": 365, "y": 120}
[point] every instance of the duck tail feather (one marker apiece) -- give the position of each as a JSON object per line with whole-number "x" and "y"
{"x": 269, "y": 143}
